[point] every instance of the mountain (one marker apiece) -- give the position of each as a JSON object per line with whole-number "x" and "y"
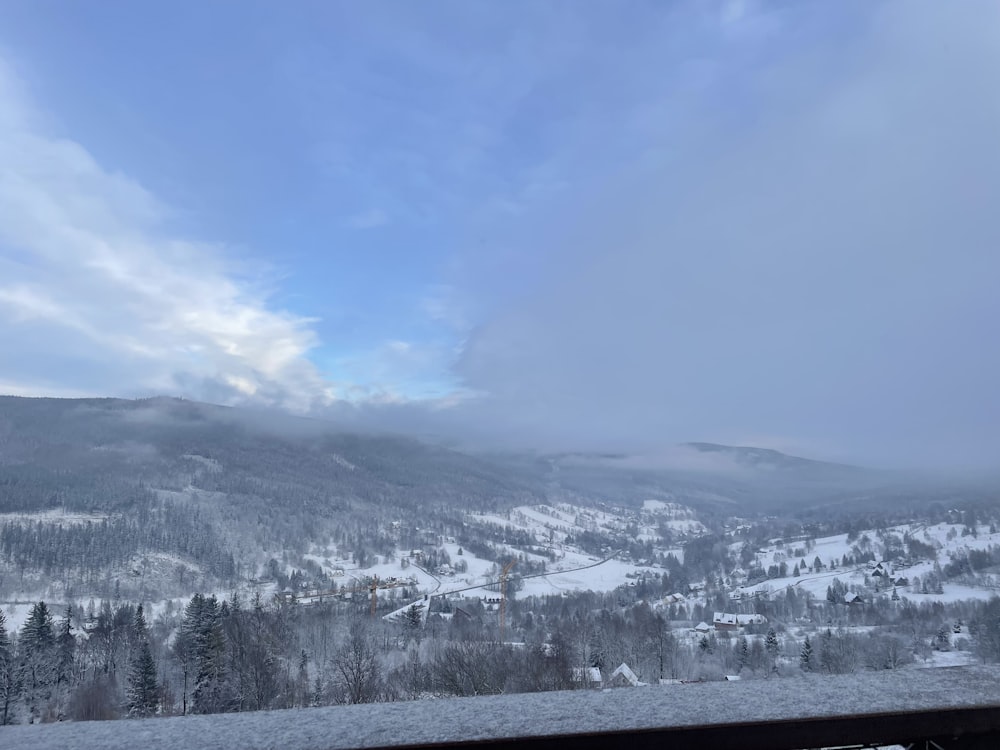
{"x": 767, "y": 459}
{"x": 161, "y": 494}
{"x": 92, "y": 489}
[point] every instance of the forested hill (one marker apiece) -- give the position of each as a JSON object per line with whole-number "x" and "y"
{"x": 211, "y": 486}
{"x": 91, "y": 488}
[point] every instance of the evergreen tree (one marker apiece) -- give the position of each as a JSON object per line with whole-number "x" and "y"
{"x": 806, "y": 656}
{"x": 941, "y": 641}
{"x": 772, "y": 647}
{"x": 201, "y": 649}
{"x": 38, "y": 661}
{"x": 744, "y": 652}
{"x": 9, "y": 679}
{"x": 143, "y": 690}
{"x": 66, "y": 648}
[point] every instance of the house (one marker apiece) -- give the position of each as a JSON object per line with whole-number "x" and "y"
{"x": 587, "y": 676}
{"x": 624, "y": 677}
{"x": 881, "y": 570}
{"x": 702, "y": 627}
{"x": 851, "y": 598}
{"x": 724, "y": 621}
{"x": 727, "y": 621}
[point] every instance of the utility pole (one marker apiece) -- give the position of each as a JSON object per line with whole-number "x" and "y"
{"x": 374, "y": 590}
{"x": 503, "y": 595}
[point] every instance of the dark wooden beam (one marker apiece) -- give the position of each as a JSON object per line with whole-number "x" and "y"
{"x": 950, "y": 729}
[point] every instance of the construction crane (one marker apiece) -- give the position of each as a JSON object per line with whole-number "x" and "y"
{"x": 503, "y": 595}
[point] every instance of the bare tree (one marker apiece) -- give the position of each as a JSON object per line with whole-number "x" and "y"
{"x": 357, "y": 672}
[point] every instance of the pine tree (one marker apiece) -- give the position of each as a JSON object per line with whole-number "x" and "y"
{"x": 941, "y": 641}
{"x": 38, "y": 658}
{"x": 806, "y": 655}
{"x": 66, "y": 648}
{"x": 744, "y": 654}
{"x": 38, "y": 634}
{"x": 143, "y": 691}
{"x": 773, "y": 647}
{"x": 9, "y": 682}
{"x": 201, "y": 648}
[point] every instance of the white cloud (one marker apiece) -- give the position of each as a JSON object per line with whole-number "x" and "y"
{"x": 92, "y": 277}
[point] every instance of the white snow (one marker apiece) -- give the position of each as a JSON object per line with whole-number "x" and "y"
{"x": 530, "y": 714}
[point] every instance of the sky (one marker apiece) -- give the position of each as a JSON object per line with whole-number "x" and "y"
{"x": 544, "y": 225}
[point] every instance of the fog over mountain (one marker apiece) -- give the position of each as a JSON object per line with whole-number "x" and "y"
{"x": 765, "y": 224}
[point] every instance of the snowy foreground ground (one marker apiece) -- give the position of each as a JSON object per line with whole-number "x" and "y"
{"x": 455, "y": 719}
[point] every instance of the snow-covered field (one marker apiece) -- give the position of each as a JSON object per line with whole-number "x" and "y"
{"x": 54, "y": 517}
{"x": 946, "y": 538}
{"x": 553, "y": 523}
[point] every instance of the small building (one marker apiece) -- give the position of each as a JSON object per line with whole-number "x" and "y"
{"x": 623, "y": 676}
{"x": 702, "y": 627}
{"x": 587, "y": 676}
{"x": 724, "y": 621}
{"x": 728, "y": 621}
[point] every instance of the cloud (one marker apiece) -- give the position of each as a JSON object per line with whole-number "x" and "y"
{"x": 699, "y": 221}
{"x": 814, "y": 258}
{"x": 94, "y": 280}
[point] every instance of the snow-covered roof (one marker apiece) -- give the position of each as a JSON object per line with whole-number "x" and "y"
{"x": 590, "y": 674}
{"x": 727, "y": 618}
{"x": 626, "y": 672}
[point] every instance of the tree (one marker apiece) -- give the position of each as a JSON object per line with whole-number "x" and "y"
{"x": 143, "y": 690}
{"x": 413, "y": 617}
{"x": 9, "y": 679}
{"x": 66, "y": 650}
{"x": 743, "y": 656}
{"x": 357, "y": 670}
{"x": 201, "y": 649}
{"x": 942, "y": 642}
{"x": 772, "y": 647}
{"x": 836, "y": 591}
{"x": 806, "y": 656}
{"x": 38, "y": 658}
